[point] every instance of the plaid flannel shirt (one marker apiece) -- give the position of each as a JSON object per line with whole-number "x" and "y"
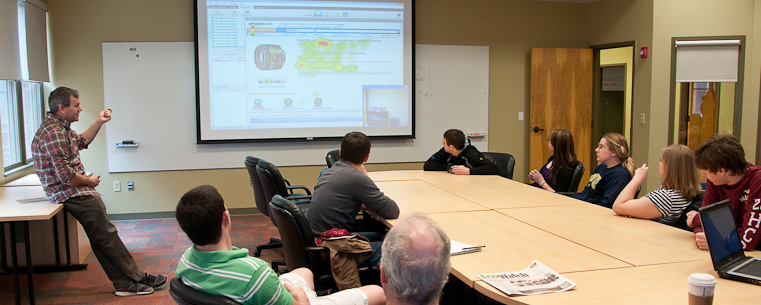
{"x": 55, "y": 150}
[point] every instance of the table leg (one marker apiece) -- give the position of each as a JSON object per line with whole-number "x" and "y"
{"x": 55, "y": 240}
{"x": 4, "y": 257}
{"x": 29, "y": 268}
{"x": 14, "y": 263}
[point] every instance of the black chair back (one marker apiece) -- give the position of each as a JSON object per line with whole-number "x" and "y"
{"x": 578, "y": 173}
{"x": 332, "y": 157}
{"x": 299, "y": 248}
{"x": 259, "y": 195}
{"x": 272, "y": 181}
{"x": 694, "y": 206}
{"x": 185, "y": 295}
{"x": 505, "y": 163}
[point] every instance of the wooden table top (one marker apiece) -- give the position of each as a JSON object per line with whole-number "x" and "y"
{"x": 420, "y": 196}
{"x": 635, "y": 241}
{"x": 512, "y": 245}
{"x": 655, "y": 284}
{"x": 12, "y": 210}
{"x": 496, "y": 192}
{"x": 613, "y": 259}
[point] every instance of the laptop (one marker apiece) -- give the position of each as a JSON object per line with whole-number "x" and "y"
{"x": 727, "y": 254}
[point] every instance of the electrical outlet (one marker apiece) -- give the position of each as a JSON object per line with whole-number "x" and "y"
{"x": 642, "y": 118}
{"x": 130, "y": 186}
{"x": 117, "y": 186}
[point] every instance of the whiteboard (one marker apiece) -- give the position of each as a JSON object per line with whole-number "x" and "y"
{"x": 150, "y": 86}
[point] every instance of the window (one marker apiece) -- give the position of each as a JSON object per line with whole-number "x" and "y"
{"x": 23, "y": 69}
{"x": 20, "y": 117}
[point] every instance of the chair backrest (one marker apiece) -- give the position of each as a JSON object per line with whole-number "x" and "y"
{"x": 505, "y": 163}
{"x": 295, "y": 233}
{"x": 694, "y": 206}
{"x": 272, "y": 181}
{"x": 578, "y": 173}
{"x": 256, "y": 182}
{"x": 185, "y": 295}
{"x": 332, "y": 157}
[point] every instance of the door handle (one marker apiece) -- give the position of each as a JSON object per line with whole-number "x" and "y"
{"x": 536, "y": 129}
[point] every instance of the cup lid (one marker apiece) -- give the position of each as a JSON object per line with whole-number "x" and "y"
{"x": 703, "y": 279}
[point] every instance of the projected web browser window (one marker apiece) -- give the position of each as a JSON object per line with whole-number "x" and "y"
{"x": 306, "y": 64}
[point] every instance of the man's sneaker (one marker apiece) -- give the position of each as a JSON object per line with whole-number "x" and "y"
{"x": 133, "y": 288}
{"x": 154, "y": 281}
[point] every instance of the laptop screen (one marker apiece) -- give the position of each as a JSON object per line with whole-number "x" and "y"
{"x": 721, "y": 232}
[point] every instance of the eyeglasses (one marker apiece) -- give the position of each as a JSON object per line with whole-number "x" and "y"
{"x": 601, "y": 147}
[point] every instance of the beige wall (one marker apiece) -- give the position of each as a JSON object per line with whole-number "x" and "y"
{"x": 614, "y": 21}
{"x": 686, "y": 18}
{"x": 509, "y": 27}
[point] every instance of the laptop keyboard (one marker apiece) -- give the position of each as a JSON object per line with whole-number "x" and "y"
{"x": 750, "y": 268}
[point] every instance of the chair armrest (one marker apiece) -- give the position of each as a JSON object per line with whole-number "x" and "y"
{"x": 319, "y": 258}
{"x": 299, "y": 198}
{"x": 298, "y": 187}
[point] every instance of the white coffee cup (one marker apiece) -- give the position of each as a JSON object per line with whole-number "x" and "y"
{"x": 701, "y": 288}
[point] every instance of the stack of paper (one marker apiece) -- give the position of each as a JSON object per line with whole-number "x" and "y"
{"x": 456, "y": 248}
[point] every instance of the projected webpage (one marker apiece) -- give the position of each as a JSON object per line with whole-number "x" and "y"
{"x": 306, "y": 64}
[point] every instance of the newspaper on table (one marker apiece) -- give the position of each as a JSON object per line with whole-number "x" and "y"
{"x": 535, "y": 279}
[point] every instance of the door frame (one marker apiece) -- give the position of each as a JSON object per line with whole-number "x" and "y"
{"x": 597, "y": 92}
{"x": 737, "y": 119}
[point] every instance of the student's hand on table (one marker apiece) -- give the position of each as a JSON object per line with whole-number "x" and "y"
{"x": 460, "y": 170}
{"x": 700, "y": 240}
{"x": 299, "y": 296}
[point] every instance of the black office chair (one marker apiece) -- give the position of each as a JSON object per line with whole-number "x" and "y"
{"x": 332, "y": 157}
{"x": 262, "y": 204}
{"x": 578, "y": 173}
{"x": 299, "y": 247}
{"x": 694, "y": 206}
{"x": 185, "y": 295}
{"x": 505, "y": 163}
{"x": 274, "y": 184}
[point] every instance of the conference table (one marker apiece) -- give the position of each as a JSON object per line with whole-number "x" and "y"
{"x": 612, "y": 259}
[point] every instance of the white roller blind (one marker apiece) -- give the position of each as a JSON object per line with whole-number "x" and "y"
{"x": 707, "y": 60}
{"x": 35, "y": 13}
{"x": 10, "y": 66}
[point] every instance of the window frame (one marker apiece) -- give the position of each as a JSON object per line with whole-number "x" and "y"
{"x": 20, "y": 134}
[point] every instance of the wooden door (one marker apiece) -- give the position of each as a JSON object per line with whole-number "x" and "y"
{"x": 561, "y": 97}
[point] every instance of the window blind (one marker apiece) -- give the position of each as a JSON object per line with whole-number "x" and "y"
{"x": 707, "y": 60}
{"x": 35, "y": 14}
{"x": 10, "y": 66}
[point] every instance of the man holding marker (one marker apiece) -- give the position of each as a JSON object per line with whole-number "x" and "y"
{"x": 55, "y": 150}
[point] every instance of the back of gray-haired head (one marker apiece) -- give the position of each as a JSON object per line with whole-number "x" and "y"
{"x": 416, "y": 260}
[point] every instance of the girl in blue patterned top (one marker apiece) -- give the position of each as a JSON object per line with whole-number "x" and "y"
{"x": 679, "y": 185}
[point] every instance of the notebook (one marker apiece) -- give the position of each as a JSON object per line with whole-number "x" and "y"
{"x": 727, "y": 254}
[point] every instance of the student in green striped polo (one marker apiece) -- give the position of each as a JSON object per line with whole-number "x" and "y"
{"x": 212, "y": 265}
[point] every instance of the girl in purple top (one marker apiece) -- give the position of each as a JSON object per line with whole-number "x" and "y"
{"x": 557, "y": 173}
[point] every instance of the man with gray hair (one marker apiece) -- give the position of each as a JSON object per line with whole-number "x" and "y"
{"x": 415, "y": 262}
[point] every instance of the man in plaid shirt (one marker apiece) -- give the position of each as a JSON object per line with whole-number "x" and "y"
{"x": 55, "y": 150}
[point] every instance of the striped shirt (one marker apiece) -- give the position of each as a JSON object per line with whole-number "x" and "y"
{"x": 670, "y": 203}
{"x": 233, "y": 274}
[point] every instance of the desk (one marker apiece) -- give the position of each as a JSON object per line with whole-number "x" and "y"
{"x": 12, "y": 212}
{"x": 28, "y": 180}
{"x": 613, "y": 259}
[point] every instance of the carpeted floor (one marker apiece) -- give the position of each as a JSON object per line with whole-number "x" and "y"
{"x": 156, "y": 246}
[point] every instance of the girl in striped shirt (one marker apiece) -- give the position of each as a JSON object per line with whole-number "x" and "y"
{"x": 679, "y": 185}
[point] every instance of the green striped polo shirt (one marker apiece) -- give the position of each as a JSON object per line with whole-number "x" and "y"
{"x": 233, "y": 274}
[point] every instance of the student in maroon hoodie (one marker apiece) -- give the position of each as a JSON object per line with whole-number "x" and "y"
{"x": 721, "y": 159}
